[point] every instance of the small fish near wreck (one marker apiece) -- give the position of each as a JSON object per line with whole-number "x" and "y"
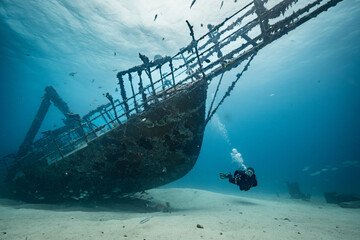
{"x": 154, "y": 136}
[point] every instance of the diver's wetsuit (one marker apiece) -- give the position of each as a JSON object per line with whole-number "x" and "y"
{"x": 243, "y": 180}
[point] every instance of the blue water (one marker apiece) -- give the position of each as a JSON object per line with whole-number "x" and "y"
{"x": 294, "y": 115}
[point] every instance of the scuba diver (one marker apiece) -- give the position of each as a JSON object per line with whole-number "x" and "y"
{"x": 245, "y": 179}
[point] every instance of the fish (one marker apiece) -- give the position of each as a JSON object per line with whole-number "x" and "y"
{"x": 72, "y": 74}
{"x": 193, "y": 2}
{"x": 207, "y": 60}
{"x": 155, "y": 17}
{"x": 222, "y": 3}
{"x": 306, "y": 168}
{"x": 114, "y": 53}
{"x": 315, "y": 173}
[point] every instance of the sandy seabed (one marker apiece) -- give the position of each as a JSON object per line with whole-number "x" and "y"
{"x": 194, "y": 214}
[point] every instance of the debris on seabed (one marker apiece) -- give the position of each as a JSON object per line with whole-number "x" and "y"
{"x": 145, "y": 220}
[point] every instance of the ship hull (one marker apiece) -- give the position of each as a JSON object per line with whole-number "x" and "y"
{"x": 150, "y": 149}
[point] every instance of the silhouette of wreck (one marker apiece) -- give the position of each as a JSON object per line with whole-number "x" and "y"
{"x": 154, "y": 136}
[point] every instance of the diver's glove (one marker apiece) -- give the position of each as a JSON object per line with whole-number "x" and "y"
{"x": 224, "y": 176}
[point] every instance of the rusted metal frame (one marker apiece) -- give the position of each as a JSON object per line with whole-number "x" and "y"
{"x": 108, "y": 115}
{"x": 230, "y": 38}
{"x": 57, "y": 145}
{"x": 179, "y": 67}
{"x": 172, "y": 71}
{"x": 184, "y": 71}
{"x": 130, "y": 109}
{"x": 84, "y": 133}
{"x": 232, "y": 63}
{"x": 284, "y": 26}
{"x": 148, "y": 73}
{"x": 182, "y": 51}
{"x": 132, "y": 89}
{"x": 226, "y": 19}
{"x": 70, "y": 140}
{"x": 215, "y": 39}
{"x": 142, "y": 90}
{"x": 95, "y": 111}
{"x": 248, "y": 39}
{"x": 65, "y": 146}
{"x": 110, "y": 98}
{"x": 123, "y": 93}
{"x": 102, "y": 112}
{"x": 211, "y": 50}
{"x": 229, "y": 56}
{"x": 102, "y": 126}
{"x": 161, "y": 77}
{"x": 90, "y": 125}
{"x": 47, "y": 145}
{"x": 172, "y": 74}
{"x": 228, "y": 28}
{"x": 263, "y": 19}
{"x": 279, "y": 8}
{"x": 188, "y": 69}
{"x": 106, "y": 121}
{"x": 213, "y": 100}
{"x": 194, "y": 42}
{"x": 282, "y": 7}
{"x": 50, "y": 135}
{"x": 148, "y": 100}
{"x": 239, "y": 20}
{"x": 77, "y": 118}
{"x": 150, "y": 64}
{"x": 287, "y": 21}
{"x": 175, "y": 69}
{"x": 184, "y": 65}
{"x": 91, "y": 132}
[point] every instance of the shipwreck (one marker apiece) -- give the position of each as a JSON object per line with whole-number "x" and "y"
{"x": 153, "y": 135}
